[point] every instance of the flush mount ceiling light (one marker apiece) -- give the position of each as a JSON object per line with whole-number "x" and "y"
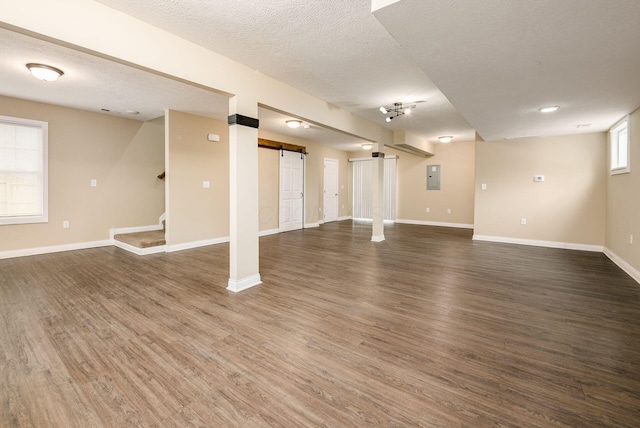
{"x": 44, "y": 72}
{"x": 445, "y": 138}
{"x": 396, "y": 110}
{"x": 293, "y": 123}
{"x": 548, "y": 109}
{"x": 367, "y": 146}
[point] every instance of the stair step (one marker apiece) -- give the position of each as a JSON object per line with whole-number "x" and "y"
{"x": 152, "y": 238}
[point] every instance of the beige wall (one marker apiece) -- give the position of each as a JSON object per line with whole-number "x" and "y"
{"x": 568, "y": 207}
{"x": 457, "y": 166}
{"x": 623, "y": 203}
{"x": 123, "y": 155}
{"x": 193, "y": 212}
{"x": 268, "y": 188}
{"x": 314, "y": 180}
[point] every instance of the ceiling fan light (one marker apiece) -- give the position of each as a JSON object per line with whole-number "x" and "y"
{"x": 44, "y": 72}
{"x": 383, "y": 110}
{"x": 293, "y": 123}
{"x": 407, "y": 110}
{"x": 389, "y": 119}
{"x": 445, "y": 138}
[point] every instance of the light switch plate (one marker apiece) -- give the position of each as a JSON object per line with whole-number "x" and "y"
{"x": 206, "y": 184}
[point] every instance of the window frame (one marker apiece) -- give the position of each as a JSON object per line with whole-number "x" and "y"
{"x": 44, "y": 128}
{"x": 614, "y": 146}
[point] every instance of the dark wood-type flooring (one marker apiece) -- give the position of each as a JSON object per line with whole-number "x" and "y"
{"x": 428, "y": 328}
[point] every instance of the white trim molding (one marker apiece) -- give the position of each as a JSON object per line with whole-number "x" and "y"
{"x": 139, "y": 251}
{"x": 195, "y": 244}
{"x": 268, "y": 232}
{"x": 436, "y": 223}
{"x": 622, "y": 264}
{"x": 310, "y": 225}
{"x": 54, "y": 249}
{"x": 347, "y": 217}
{"x": 243, "y": 284}
{"x": 538, "y": 243}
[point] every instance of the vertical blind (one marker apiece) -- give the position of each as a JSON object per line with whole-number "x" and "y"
{"x": 362, "y": 189}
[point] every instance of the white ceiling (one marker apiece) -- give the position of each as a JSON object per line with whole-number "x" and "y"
{"x": 496, "y": 60}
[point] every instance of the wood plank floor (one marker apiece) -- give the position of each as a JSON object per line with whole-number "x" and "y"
{"x": 428, "y": 328}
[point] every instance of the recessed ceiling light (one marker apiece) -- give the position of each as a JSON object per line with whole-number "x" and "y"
{"x": 367, "y": 146}
{"x": 445, "y": 138}
{"x": 548, "y": 109}
{"x": 293, "y": 123}
{"x": 44, "y": 72}
{"x": 105, "y": 109}
{"x": 583, "y": 125}
{"x": 133, "y": 112}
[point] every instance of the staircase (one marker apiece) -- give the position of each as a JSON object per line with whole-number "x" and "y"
{"x": 142, "y": 243}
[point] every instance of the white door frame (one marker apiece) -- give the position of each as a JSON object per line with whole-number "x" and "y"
{"x": 324, "y": 189}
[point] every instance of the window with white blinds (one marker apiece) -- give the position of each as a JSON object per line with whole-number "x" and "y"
{"x": 362, "y": 188}
{"x": 23, "y": 171}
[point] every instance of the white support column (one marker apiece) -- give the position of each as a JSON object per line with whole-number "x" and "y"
{"x": 243, "y": 170}
{"x": 377, "y": 188}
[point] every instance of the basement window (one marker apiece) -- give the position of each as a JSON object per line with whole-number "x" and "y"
{"x": 23, "y": 171}
{"x": 619, "y": 144}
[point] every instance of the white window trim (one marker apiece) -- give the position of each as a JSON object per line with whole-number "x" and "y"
{"x": 613, "y": 129}
{"x": 44, "y": 218}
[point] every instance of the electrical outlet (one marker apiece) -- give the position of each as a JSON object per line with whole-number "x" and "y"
{"x": 206, "y": 184}
{"x": 448, "y": 210}
{"x": 428, "y": 210}
{"x": 538, "y": 178}
{"x": 630, "y": 239}
{"x": 65, "y": 224}
{"x": 94, "y": 182}
{"x": 523, "y": 221}
{"x": 484, "y": 186}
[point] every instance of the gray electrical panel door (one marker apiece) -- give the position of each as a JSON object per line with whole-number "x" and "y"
{"x": 433, "y": 177}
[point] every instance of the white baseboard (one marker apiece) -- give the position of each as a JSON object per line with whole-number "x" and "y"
{"x": 537, "y": 243}
{"x": 243, "y": 284}
{"x": 134, "y": 229}
{"x": 622, "y": 264}
{"x": 377, "y": 238}
{"x": 195, "y": 244}
{"x": 268, "y": 232}
{"x": 139, "y": 251}
{"x": 347, "y": 217}
{"x": 309, "y": 225}
{"x": 53, "y": 249}
{"x": 435, "y": 223}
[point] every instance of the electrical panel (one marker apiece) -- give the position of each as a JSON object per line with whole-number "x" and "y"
{"x": 433, "y": 177}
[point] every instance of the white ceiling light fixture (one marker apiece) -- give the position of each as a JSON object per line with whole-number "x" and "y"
{"x": 293, "y": 123}
{"x": 548, "y": 109}
{"x": 367, "y": 146}
{"x": 397, "y": 109}
{"x": 44, "y": 72}
{"x": 445, "y": 138}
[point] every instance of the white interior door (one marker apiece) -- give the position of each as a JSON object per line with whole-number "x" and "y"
{"x": 291, "y": 211}
{"x": 330, "y": 201}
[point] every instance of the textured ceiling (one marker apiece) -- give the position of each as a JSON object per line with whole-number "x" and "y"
{"x": 498, "y": 61}
{"x": 92, "y": 83}
{"x": 335, "y": 50}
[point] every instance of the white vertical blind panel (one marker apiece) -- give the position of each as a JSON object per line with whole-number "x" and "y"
{"x": 363, "y": 192}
